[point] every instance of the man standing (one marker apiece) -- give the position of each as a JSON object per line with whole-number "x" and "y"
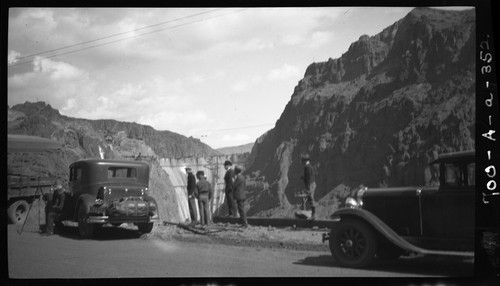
{"x": 240, "y": 195}
{"x": 310, "y": 183}
{"x": 191, "y": 187}
{"x": 53, "y": 207}
{"x": 204, "y": 195}
{"x": 229, "y": 179}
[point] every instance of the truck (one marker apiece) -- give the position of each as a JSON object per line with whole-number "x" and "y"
{"x": 387, "y": 223}
{"x": 23, "y": 188}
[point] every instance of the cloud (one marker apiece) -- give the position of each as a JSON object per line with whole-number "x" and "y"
{"x": 246, "y": 83}
{"x": 321, "y": 38}
{"x": 236, "y": 138}
{"x": 56, "y": 70}
{"x": 50, "y": 81}
{"x": 284, "y": 72}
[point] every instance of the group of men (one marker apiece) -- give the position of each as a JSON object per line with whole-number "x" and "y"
{"x": 235, "y": 191}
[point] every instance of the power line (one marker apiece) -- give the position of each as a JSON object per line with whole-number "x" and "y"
{"x": 123, "y": 39}
{"x": 118, "y": 34}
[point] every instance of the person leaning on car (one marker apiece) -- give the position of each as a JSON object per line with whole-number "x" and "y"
{"x": 53, "y": 207}
{"x": 204, "y": 195}
{"x": 239, "y": 195}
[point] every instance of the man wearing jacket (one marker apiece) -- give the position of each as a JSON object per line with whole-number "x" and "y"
{"x": 229, "y": 179}
{"x": 204, "y": 194}
{"x": 239, "y": 189}
{"x": 191, "y": 187}
{"x": 310, "y": 184}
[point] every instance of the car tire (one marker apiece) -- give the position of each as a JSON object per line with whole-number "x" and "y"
{"x": 352, "y": 243}
{"x": 86, "y": 230}
{"x": 145, "y": 227}
{"x": 18, "y": 211}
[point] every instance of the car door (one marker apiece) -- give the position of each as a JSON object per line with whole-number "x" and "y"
{"x": 448, "y": 213}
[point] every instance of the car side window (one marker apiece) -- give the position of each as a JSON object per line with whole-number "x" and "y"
{"x": 75, "y": 174}
{"x": 453, "y": 176}
{"x": 471, "y": 174}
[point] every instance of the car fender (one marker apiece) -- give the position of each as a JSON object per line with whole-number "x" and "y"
{"x": 388, "y": 232}
{"x": 151, "y": 199}
{"x": 85, "y": 199}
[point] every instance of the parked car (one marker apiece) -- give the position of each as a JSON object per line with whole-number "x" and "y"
{"x": 108, "y": 191}
{"x": 390, "y": 222}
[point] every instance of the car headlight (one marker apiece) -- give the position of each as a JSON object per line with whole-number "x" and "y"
{"x": 351, "y": 203}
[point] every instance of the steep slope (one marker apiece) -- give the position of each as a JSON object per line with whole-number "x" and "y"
{"x": 375, "y": 116}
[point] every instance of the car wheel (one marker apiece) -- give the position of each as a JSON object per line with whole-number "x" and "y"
{"x": 85, "y": 229}
{"x": 18, "y": 211}
{"x": 145, "y": 227}
{"x": 353, "y": 243}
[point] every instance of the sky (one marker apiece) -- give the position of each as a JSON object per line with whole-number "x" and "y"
{"x": 222, "y": 75}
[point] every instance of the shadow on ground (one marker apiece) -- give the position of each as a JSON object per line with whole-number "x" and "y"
{"x": 419, "y": 265}
{"x": 102, "y": 233}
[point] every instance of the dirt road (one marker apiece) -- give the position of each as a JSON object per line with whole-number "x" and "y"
{"x": 120, "y": 252}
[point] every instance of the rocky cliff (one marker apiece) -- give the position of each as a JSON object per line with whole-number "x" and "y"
{"x": 375, "y": 116}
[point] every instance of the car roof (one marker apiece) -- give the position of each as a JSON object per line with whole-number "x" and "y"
{"x": 456, "y": 157}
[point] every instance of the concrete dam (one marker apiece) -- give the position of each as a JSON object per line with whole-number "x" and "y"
{"x": 213, "y": 166}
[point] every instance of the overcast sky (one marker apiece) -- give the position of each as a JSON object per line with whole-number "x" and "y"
{"x": 223, "y": 75}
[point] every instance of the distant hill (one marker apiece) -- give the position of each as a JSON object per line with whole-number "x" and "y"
{"x": 241, "y": 149}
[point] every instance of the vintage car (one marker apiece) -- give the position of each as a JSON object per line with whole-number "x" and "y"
{"x": 108, "y": 191}
{"x": 390, "y": 222}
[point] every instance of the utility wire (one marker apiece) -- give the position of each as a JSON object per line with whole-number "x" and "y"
{"x": 115, "y": 35}
{"x": 123, "y": 39}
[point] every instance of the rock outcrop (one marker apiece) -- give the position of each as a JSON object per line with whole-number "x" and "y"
{"x": 375, "y": 116}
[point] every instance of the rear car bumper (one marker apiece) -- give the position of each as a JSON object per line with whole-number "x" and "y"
{"x": 107, "y": 219}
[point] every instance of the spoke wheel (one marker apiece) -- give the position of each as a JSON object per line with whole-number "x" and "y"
{"x": 353, "y": 243}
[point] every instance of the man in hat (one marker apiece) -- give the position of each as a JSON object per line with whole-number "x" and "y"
{"x": 228, "y": 180}
{"x": 240, "y": 195}
{"x": 53, "y": 206}
{"x": 310, "y": 184}
{"x": 191, "y": 187}
{"x": 204, "y": 194}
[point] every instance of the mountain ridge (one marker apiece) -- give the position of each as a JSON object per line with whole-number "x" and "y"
{"x": 375, "y": 116}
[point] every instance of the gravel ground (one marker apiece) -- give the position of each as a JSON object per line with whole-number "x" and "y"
{"x": 252, "y": 236}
